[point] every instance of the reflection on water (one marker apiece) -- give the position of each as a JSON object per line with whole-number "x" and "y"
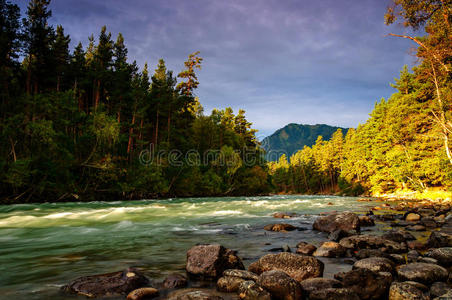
{"x": 44, "y": 246}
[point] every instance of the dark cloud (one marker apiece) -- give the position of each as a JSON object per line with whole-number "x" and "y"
{"x": 281, "y": 60}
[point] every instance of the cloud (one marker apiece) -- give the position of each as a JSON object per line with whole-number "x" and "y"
{"x": 283, "y": 61}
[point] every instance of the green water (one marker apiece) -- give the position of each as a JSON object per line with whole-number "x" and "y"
{"x": 44, "y": 246}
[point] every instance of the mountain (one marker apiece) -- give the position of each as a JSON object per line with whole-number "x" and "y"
{"x": 293, "y": 137}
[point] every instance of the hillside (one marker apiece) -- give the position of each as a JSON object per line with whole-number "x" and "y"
{"x": 294, "y": 137}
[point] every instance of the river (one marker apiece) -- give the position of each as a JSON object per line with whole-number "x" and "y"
{"x": 43, "y": 246}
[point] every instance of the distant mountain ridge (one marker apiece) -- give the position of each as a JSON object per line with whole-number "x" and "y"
{"x": 293, "y": 137}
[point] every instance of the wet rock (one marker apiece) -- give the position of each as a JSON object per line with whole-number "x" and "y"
{"x": 211, "y": 260}
{"x": 412, "y": 256}
{"x": 334, "y": 294}
{"x": 299, "y": 267}
{"x": 346, "y": 221}
{"x": 405, "y": 291}
{"x": 439, "y": 288}
{"x": 439, "y": 239}
{"x": 422, "y": 272}
{"x": 366, "y": 221}
{"x": 111, "y": 284}
{"x": 314, "y": 284}
{"x": 376, "y": 264}
{"x": 398, "y": 236}
{"x": 330, "y": 249}
{"x": 429, "y": 222}
{"x": 305, "y": 248}
{"x": 442, "y": 255}
{"x": 280, "y": 227}
{"x": 446, "y": 296}
{"x": 397, "y": 259}
{"x": 281, "y": 215}
{"x": 365, "y": 253}
{"x": 194, "y": 294}
{"x": 229, "y": 284}
{"x": 418, "y": 285}
{"x": 143, "y": 293}
{"x": 367, "y": 241}
{"x": 337, "y": 235}
{"x": 241, "y": 274}
{"x": 249, "y": 290}
{"x": 175, "y": 281}
{"x": 416, "y": 228}
{"x": 428, "y": 260}
{"x": 412, "y": 217}
{"x": 280, "y": 285}
{"x": 416, "y": 245}
{"x": 367, "y": 284}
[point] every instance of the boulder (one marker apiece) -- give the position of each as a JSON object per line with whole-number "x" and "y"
{"x": 442, "y": 255}
{"x": 305, "y": 248}
{"x": 422, "y": 272}
{"x": 439, "y": 239}
{"x": 280, "y": 227}
{"x": 299, "y": 267}
{"x": 111, "y": 284}
{"x": 398, "y": 236}
{"x": 314, "y": 284}
{"x": 229, "y": 284}
{"x": 250, "y": 290}
{"x": 405, "y": 291}
{"x": 330, "y": 249}
{"x": 333, "y": 294}
{"x": 346, "y": 221}
{"x": 175, "y": 281}
{"x": 412, "y": 217}
{"x": 446, "y": 296}
{"x": 376, "y": 264}
{"x": 194, "y": 294}
{"x": 280, "y": 285}
{"x": 367, "y": 241}
{"x": 143, "y": 293}
{"x": 439, "y": 288}
{"x": 365, "y": 253}
{"x": 366, "y": 221}
{"x": 366, "y": 283}
{"x": 281, "y": 215}
{"x": 211, "y": 260}
{"x": 337, "y": 235}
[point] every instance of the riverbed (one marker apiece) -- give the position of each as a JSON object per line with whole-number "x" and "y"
{"x": 44, "y": 246}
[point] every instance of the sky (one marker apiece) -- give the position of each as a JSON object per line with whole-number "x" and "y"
{"x": 282, "y": 61}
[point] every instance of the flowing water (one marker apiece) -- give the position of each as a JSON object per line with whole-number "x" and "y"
{"x": 43, "y": 246}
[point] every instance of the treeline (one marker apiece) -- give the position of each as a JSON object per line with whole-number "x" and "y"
{"x": 405, "y": 144}
{"x": 76, "y": 123}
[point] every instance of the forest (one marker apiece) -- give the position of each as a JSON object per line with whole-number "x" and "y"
{"x": 74, "y": 123}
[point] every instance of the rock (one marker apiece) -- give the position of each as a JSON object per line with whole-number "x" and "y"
{"x": 305, "y": 248}
{"x": 194, "y": 294}
{"x": 280, "y": 227}
{"x": 418, "y": 285}
{"x": 330, "y": 249}
{"x": 412, "y": 256}
{"x": 211, "y": 260}
{"x": 365, "y": 253}
{"x": 366, "y": 221}
{"x": 398, "y": 236}
{"x": 439, "y": 288}
{"x": 439, "y": 239}
{"x": 313, "y": 284}
{"x": 334, "y": 294}
{"x": 337, "y": 235}
{"x": 367, "y": 284}
{"x": 446, "y": 296}
{"x": 346, "y": 221}
{"x": 367, "y": 241}
{"x": 281, "y": 215}
{"x": 111, "y": 284}
{"x": 143, "y": 293}
{"x": 241, "y": 274}
{"x": 405, "y": 291}
{"x": 429, "y": 222}
{"x": 175, "y": 281}
{"x": 298, "y": 267}
{"x": 249, "y": 290}
{"x": 428, "y": 260}
{"x": 376, "y": 264}
{"x": 416, "y": 228}
{"x": 412, "y": 217}
{"x": 397, "y": 259}
{"x": 442, "y": 255}
{"x": 280, "y": 285}
{"x": 422, "y": 272}
{"x": 229, "y": 284}
{"x": 416, "y": 245}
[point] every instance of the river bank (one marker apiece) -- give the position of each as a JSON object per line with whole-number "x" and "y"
{"x": 49, "y": 245}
